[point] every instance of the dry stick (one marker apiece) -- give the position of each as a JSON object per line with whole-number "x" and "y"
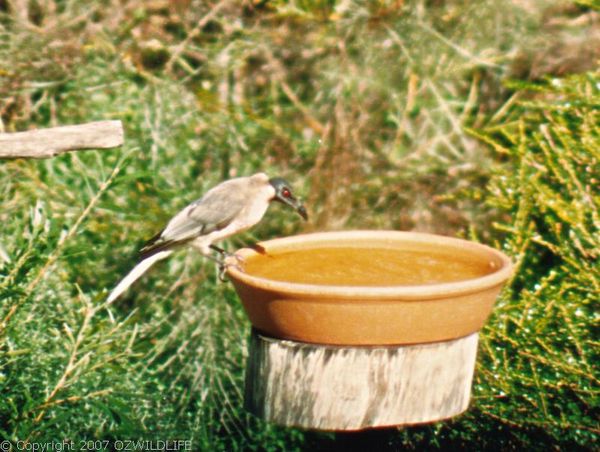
{"x": 72, "y": 399}
{"x": 563, "y": 425}
{"x": 46, "y": 143}
{"x": 195, "y": 32}
{"x": 72, "y": 364}
{"x": 313, "y": 122}
{"x": 58, "y": 250}
{"x": 310, "y": 119}
{"x": 460, "y": 50}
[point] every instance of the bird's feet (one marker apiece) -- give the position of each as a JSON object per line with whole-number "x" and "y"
{"x": 226, "y": 254}
{"x": 227, "y": 264}
{"x": 228, "y": 260}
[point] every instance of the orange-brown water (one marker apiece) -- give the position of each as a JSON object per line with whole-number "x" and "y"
{"x": 356, "y": 266}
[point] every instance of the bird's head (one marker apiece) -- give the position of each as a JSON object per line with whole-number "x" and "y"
{"x": 283, "y": 194}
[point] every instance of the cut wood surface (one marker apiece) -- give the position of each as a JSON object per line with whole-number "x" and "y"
{"x": 352, "y": 388}
{"x": 44, "y": 143}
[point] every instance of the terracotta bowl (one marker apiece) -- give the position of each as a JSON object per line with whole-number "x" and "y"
{"x": 369, "y": 287}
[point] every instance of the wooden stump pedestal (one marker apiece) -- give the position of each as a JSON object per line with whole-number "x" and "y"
{"x": 328, "y": 387}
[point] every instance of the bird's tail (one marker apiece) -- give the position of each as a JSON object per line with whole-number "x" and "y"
{"x": 136, "y": 272}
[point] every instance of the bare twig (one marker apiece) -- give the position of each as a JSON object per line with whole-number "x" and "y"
{"x": 460, "y": 50}
{"x": 58, "y": 250}
{"x": 310, "y": 119}
{"x": 72, "y": 364}
{"x": 278, "y": 76}
{"x": 46, "y": 143}
{"x": 177, "y": 51}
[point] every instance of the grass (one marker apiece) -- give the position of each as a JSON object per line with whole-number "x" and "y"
{"x": 381, "y": 114}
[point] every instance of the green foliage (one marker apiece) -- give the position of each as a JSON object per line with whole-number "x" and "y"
{"x": 363, "y": 106}
{"x": 538, "y": 367}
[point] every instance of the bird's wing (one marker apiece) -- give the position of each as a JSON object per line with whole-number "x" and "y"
{"x": 215, "y": 210}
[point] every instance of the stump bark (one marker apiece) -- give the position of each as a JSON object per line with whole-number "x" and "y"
{"x": 351, "y": 388}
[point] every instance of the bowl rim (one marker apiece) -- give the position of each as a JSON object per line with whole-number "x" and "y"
{"x": 402, "y": 292}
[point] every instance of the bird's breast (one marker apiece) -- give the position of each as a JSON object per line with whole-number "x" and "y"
{"x": 253, "y": 212}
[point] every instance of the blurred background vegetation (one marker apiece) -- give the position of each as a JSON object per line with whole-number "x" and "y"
{"x": 477, "y": 119}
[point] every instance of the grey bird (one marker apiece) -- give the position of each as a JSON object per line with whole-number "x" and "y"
{"x": 227, "y": 209}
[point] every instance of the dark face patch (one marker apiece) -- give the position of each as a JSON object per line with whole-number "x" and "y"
{"x": 283, "y": 194}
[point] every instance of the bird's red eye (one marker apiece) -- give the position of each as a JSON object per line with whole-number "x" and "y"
{"x": 286, "y": 193}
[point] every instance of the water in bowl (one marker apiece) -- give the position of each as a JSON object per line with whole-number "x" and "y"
{"x": 376, "y": 266}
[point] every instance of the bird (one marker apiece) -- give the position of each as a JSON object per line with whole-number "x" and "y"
{"x": 230, "y": 207}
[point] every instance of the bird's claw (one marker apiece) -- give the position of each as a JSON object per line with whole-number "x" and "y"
{"x": 225, "y": 255}
{"x": 223, "y": 270}
{"x": 240, "y": 259}
{"x": 222, "y": 273}
{"x": 230, "y": 260}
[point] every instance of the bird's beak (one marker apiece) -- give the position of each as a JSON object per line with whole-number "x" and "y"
{"x": 295, "y": 204}
{"x": 302, "y": 211}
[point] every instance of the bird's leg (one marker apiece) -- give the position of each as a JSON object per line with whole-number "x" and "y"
{"x": 202, "y": 247}
{"x": 218, "y": 260}
{"x": 205, "y": 251}
{"x": 222, "y": 273}
{"x": 223, "y": 264}
{"x": 219, "y": 250}
{"x": 225, "y": 254}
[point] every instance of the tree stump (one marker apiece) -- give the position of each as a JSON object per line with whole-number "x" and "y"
{"x": 329, "y": 387}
